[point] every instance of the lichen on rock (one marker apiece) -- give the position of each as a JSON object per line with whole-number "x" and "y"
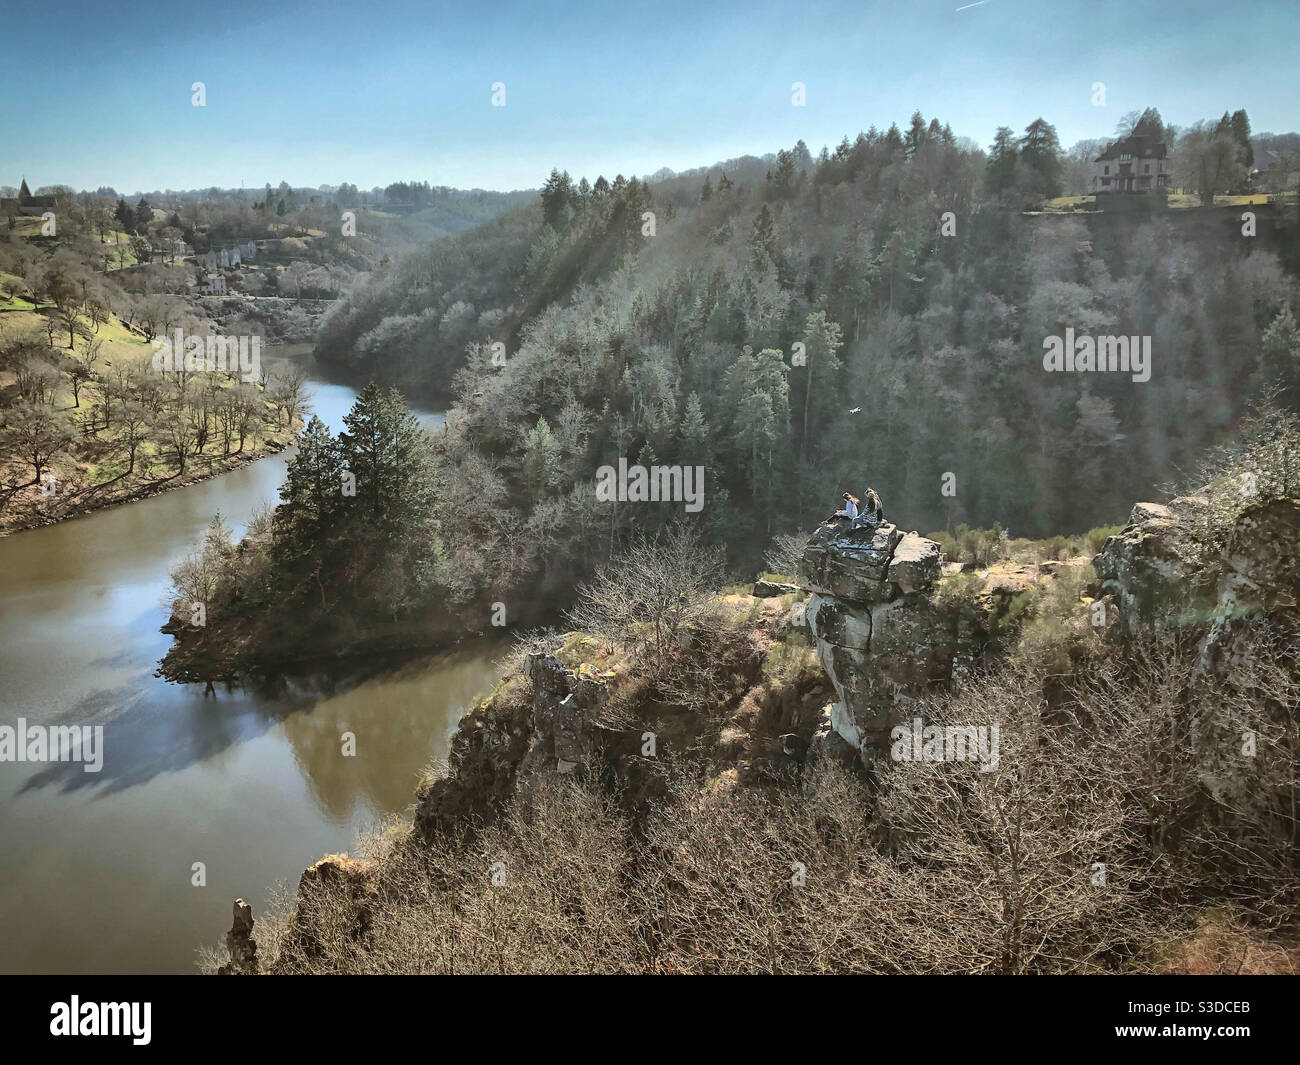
{"x": 1160, "y": 580}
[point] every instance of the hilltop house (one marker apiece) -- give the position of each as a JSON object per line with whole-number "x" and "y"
{"x": 25, "y": 203}
{"x": 1131, "y": 164}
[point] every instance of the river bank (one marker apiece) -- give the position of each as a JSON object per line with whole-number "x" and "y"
{"x": 20, "y": 521}
{"x": 128, "y": 869}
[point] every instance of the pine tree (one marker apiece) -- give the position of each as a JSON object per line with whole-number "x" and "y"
{"x": 915, "y": 134}
{"x": 694, "y": 433}
{"x": 393, "y": 537}
{"x": 1240, "y": 127}
{"x": 542, "y": 465}
{"x": 558, "y": 199}
{"x": 386, "y": 449}
{"x": 1000, "y": 172}
{"x": 785, "y": 178}
{"x": 762, "y": 241}
{"x": 757, "y": 392}
{"x": 1040, "y": 150}
{"x": 1150, "y": 124}
{"x": 1279, "y": 359}
{"x": 822, "y": 340}
{"x": 312, "y": 493}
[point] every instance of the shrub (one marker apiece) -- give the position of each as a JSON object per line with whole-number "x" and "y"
{"x": 1095, "y": 539}
{"x": 980, "y": 547}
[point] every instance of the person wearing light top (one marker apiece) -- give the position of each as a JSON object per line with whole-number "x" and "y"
{"x": 850, "y": 510}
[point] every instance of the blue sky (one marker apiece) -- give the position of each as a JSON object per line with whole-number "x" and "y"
{"x": 337, "y": 90}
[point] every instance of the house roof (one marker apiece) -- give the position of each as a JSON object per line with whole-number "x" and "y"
{"x": 1264, "y": 160}
{"x": 26, "y": 199}
{"x": 1138, "y": 147}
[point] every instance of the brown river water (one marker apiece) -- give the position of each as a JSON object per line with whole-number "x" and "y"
{"x": 96, "y": 869}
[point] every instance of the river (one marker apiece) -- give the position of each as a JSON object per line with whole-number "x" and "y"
{"x": 98, "y": 868}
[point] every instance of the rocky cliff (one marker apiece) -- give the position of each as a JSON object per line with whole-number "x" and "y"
{"x": 1161, "y": 575}
{"x": 883, "y": 636}
{"x": 891, "y": 624}
{"x": 548, "y": 726}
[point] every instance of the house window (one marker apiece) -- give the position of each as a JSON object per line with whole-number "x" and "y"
{"x": 1105, "y": 170}
{"x": 1146, "y": 169}
{"x": 1126, "y": 158}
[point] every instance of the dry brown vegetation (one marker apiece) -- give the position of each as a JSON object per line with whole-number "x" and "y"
{"x": 1118, "y": 818}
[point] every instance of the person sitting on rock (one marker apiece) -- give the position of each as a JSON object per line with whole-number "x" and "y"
{"x": 850, "y": 510}
{"x": 873, "y": 511}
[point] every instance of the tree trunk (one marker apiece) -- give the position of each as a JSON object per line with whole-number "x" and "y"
{"x": 803, "y": 447}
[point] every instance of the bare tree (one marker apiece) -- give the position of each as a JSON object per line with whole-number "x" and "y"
{"x": 31, "y": 362}
{"x": 82, "y": 365}
{"x": 178, "y": 433}
{"x": 785, "y": 552}
{"x": 135, "y": 429}
{"x": 1209, "y": 160}
{"x": 289, "y": 394}
{"x": 36, "y": 434}
{"x": 650, "y": 591}
{"x": 1034, "y": 863}
{"x": 202, "y": 574}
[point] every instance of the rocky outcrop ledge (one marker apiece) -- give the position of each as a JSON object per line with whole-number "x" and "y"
{"x": 882, "y": 636}
{"x": 1158, "y": 579}
{"x": 502, "y": 744}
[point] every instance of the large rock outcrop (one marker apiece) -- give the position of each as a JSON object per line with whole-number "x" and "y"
{"x": 1227, "y": 573}
{"x": 515, "y": 738}
{"x": 1259, "y": 573}
{"x": 1162, "y": 574}
{"x": 882, "y": 636}
{"x": 565, "y": 706}
{"x": 1152, "y": 568}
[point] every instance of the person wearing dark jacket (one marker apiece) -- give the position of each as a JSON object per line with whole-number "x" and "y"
{"x": 873, "y": 511}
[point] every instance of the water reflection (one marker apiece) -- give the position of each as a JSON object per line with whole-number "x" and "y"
{"x": 97, "y": 866}
{"x": 400, "y": 722}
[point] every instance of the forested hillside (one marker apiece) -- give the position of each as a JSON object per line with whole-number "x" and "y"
{"x": 680, "y": 346}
